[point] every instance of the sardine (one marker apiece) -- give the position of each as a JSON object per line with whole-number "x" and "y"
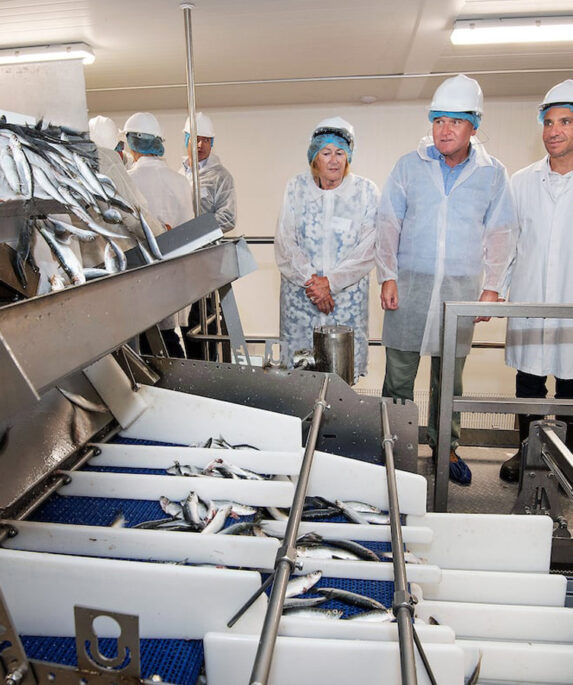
{"x": 374, "y": 616}
{"x": 351, "y": 598}
{"x": 305, "y": 612}
{"x": 67, "y": 259}
{"x": 218, "y": 521}
{"x": 350, "y": 513}
{"x": 173, "y": 509}
{"x": 190, "y": 508}
{"x": 303, "y": 602}
{"x": 150, "y": 237}
{"x": 237, "y": 508}
{"x": 474, "y": 677}
{"x": 82, "y": 402}
{"x": 301, "y": 584}
{"x": 8, "y": 166}
{"x": 325, "y": 552}
{"x": 363, "y": 507}
{"x": 409, "y": 557}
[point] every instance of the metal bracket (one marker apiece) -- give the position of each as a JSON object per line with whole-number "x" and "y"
{"x": 94, "y": 668}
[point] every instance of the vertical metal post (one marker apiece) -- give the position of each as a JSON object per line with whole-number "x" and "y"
{"x": 449, "y": 343}
{"x": 401, "y": 604}
{"x": 187, "y": 7}
{"x": 286, "y": 555}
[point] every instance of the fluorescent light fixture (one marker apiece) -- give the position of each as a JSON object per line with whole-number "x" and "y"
{"x": 47, "y": 53}
{"x": 516, "y": 30}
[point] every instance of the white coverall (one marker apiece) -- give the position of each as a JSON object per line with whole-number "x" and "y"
{"x": 169, "y": 199}
{"x": 330, "y": 233}
{"x": 441, "y": 247}
{"x": 542, "y": 271}
{"x": 217, "y": 190}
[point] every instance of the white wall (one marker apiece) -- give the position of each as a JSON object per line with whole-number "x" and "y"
{"x": 263, "y": 147}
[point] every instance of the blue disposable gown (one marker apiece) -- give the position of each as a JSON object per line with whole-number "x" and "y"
{"x": 441, "y": 247}
{"x": 542, "y": 271}
{"x": 330, "y": 233}
{"x": 217, "y": 191}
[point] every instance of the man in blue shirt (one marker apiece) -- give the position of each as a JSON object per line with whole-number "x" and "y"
{"x": 446, "y": 232}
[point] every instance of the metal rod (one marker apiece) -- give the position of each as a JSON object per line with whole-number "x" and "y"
{"x": 187, "y": 7}
{"x": 204, "y": 328}
{"x": 249, "y": 603}
{"x": 402, "y": 602}
{"x": 286, "y": 555}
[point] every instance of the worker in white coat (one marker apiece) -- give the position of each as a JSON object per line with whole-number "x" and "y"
{"x": 446, "y": 232}
{"x": 216, "y": 185}
{"x": 542, "y": 270}
{"x": 324, "y": 244}
{"x": 217, "y": 193}
{"x": 167, "y": 193}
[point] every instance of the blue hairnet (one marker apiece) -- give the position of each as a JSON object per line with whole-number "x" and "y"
{"x": 145, "y": 144}
{"x": 472, "y": 117}
{"x": 318, "y": 142}
{"x": 541, "y": 115}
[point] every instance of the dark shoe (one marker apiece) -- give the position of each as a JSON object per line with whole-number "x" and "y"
{"x": 511, "y": 468}
{"x": 459, "y": 471}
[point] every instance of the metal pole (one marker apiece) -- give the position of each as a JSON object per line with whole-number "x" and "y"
{"x": 286, "y": 555}
{"x": 402, "y": 601}
{"x": 187, "y": 7}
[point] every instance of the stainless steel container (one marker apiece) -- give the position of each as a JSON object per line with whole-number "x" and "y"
{"x": 334, "y": 350}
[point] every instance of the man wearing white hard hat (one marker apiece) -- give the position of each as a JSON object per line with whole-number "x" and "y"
{"x": 217, "y": 192}
{"x": 167, "y": 193}
{"x": 542, "y": 271}
{"x": 446, "y": 232}
{"x": 216, "y": 184}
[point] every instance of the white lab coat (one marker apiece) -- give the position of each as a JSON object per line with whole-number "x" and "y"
{"x": 217, "y": 190}
{"x": 330, "y": 233}
{"x": 542, "y": 272}
{"x": 169, "y": 199}
{"x": 441, "y": 247}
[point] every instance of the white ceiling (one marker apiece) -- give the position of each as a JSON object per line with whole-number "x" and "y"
{"x": 265, "y": 52}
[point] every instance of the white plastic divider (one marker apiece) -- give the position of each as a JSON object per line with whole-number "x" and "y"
{"x": 304, "y": 661}
{"x": 332, "y": 476}
{"x": 164, "y": 456}
{"x": 257, "y": 493}
{"x": 498, "y": 587}
{"x": 501, "y": 621}
{"x": 336, "y": 477}
{"x": 350, "y": 531}
{"x": 291, "y": 626}
{"x": 157, "y": 545}
{"x": 486, "y": 542}
{"x": 522, "y": 662}
{"x": 172, "y": 601}
{"x": 114, "y": 387}
{"x": 178, "y": 417}
{"x": 368, "y": 570}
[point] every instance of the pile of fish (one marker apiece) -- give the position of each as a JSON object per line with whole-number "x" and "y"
{"x": 217, "y": 468}
{"x": 57, "y": 163}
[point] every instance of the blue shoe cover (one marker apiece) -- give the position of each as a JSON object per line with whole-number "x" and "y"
{"x": 460, "y": 472}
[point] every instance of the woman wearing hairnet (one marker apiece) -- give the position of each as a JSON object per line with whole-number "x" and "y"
{"x": 324, "y": 244}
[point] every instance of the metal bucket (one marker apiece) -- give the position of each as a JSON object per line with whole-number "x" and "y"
{"x": 334, "y": 350}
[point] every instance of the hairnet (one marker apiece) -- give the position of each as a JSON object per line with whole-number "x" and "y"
{"x": 324, "y": 139}
{"x": 472, "y": 117}
{"x": 145, "y": 144}
{"x": 541, "y": 115}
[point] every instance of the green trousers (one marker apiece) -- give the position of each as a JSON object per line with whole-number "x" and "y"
{"x": 401, "y": 370}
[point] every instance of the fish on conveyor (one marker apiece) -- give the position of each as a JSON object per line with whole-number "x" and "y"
{"x": 232, "y": 469}
{"x": 351, "y": 513}
{"x": 350, "y": 598}
{"x": 184, "y": 470}
{"x": 314, "y": 612}
{"x": 218, "y": 521}
{"x": 409, "y": 557}
{"x": 303, "y": 602}
{"x": 298, "y": 585}
{"x": 374, "y": 616}
{"x": 357, "y": 550}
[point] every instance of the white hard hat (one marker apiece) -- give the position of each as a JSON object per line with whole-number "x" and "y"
{"x": 205, "y": 127}
{"x": 143, "y": 122}
{"x": 458, "y": 94}
{"x": 103, "y": 132}
{"x": 336, "y": 125}
{"x": 560, "y": 94}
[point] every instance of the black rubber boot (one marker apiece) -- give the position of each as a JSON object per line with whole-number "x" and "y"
{"x": 511, "y": 468}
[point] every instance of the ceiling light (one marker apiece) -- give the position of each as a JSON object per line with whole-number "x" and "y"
{"x": 47, "y": 53}
{"x": 508, "y": 30}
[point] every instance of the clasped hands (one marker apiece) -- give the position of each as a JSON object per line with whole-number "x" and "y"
{"x": 317, "y": 289}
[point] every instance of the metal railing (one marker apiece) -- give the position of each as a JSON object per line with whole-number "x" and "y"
{"x": 450, "y": 403}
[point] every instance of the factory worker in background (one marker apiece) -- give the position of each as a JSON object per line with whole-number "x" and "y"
{"x": 105, "y": 134}
{"x": 217, "y": 192}
{"x": 167, "y": 193}
{"x": 542, "y": 272}
{"x": 446, "y": 232}
{"x": 324, "y": 244}
{"x": 217, "y": 188}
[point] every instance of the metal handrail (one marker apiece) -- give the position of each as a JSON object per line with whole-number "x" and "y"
{"x": 286, "y": 556}
{"x": 452, "y": 311}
